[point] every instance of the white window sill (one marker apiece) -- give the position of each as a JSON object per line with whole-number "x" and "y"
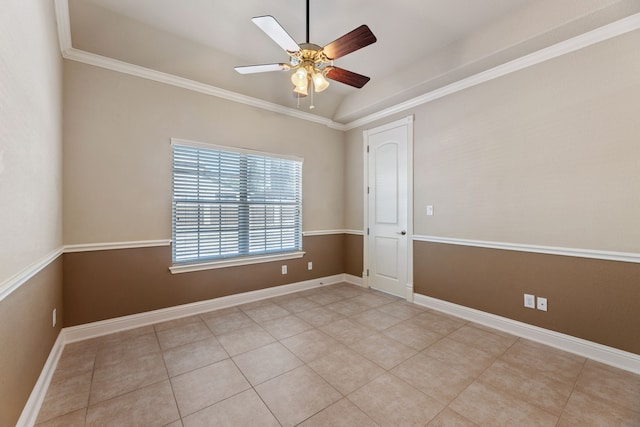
{"x": 233, "y": 262}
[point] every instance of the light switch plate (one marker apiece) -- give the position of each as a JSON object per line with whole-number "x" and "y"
{"x": 429, "y": 210}
{"x": 529, "y": 301}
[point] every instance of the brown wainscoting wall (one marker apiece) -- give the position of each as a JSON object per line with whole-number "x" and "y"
{"x": 27, "y": 337}
{"x": 596, "y": 300}
{"x": 353, "y": 254}
{"x": 100, "y": 285}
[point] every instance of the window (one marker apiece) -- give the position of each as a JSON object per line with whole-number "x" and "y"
{"x": 230, "y": 203}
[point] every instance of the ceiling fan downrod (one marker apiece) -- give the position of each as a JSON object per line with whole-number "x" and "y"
{"x": 307, "y": 21}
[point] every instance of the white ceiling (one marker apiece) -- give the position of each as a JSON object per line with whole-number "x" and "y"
{"x": 421, "y": 43}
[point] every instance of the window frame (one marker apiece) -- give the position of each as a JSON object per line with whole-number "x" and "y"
{"x": 235, "y": 260}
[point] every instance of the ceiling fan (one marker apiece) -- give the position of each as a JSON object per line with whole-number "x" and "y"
{"x": 312, "y": 64}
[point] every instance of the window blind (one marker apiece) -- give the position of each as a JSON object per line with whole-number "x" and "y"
{"x": 234, "y": 204}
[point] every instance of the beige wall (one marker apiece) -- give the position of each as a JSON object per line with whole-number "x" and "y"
{"x": 134, "y": 42}
{"x": 354, "y": 180}
{"x": 117, "y": 184}
{"x": 30, "y": 135}
{"x": 547, "y": 156}
{"x": 30, "y": 194}
{"x": 534, "y": 26}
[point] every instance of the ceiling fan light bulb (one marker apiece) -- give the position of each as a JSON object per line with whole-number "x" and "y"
{"x": 302, "y": 89}
{"x": 299, "y": 77}
{"x": 319, "y": 82}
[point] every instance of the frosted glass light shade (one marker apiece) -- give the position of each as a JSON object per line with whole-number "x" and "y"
{"x": 320, "y": 82}
{"x": 299, "y": 78}
{"x": 302, "y": 90}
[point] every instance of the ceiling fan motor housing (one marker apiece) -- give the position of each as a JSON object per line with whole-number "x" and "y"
{"x": 309, "y": 55}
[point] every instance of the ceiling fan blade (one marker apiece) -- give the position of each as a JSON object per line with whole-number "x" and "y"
{"x": 350, "y": 42}
{"x": 273, "y": 29}
{"x": 347, "y": 77}
{"x": 251, "y": 69}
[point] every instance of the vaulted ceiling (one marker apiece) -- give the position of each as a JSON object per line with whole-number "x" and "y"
{"x": 422, "y": 45}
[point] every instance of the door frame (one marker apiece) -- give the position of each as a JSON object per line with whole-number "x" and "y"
{"x": 408, "y": 122}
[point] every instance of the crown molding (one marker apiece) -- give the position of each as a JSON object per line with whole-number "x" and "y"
{"x": 550, "y": 250}
{"x": 184, "y": 83}
{"x": 64, "y": 24}
{"x": 73, "y": 54}
{"x": 587, "y": 39}
{"x": 582, "y": 41}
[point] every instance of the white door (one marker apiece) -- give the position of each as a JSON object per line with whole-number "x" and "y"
{"x": 388, "y": 203}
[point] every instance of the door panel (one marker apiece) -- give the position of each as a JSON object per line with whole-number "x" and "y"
{"x": 386, "y": 251}
{"x": 388, "y": 210}
{"x": 386, "y": 183}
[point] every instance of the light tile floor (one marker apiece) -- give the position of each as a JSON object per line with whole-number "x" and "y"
{"x": 333, "y": 356}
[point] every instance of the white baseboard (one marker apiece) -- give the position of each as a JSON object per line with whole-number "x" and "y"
{"x": 95, "y": 329}
{"x": 30, "y": 411}
{"x": 598, "y": 352}
{"x": 408, "y": 292}
{"x": 354, "y": 280}
{"x": 105, "y": 327}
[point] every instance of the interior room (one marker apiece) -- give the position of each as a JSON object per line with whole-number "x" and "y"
{"x": 456, "y": 241}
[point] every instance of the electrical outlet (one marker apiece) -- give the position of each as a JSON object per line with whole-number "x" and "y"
{"x": 542, "y": 304}
{"x": 529, "y": 301}
{"x": 284, "y": 269}
{"x": 55, "y": 318}
{"x": 309, "y": 265}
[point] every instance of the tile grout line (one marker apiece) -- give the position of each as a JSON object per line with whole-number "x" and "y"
{"x": 93, "y": 373}
{"x": 573, "y": 389}
{"x": 495, "y": 358}
{"x": 256, "y": 323}
{"x": 164, "y": 362}
{"x": 474, "y": 380}
{"x": 306, "y": 364}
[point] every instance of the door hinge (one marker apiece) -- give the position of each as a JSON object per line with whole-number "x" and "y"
{"x": 367, "y": 148}
{"x": 367, "y": 272}
{"x": 368, "y": 189}
{"x": 367, "y": 231}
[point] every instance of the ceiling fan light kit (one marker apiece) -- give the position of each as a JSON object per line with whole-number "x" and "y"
{"x": 312, "y": 65}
